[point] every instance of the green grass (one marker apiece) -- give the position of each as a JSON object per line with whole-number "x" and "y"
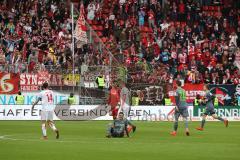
{"x": 85, "y": 140}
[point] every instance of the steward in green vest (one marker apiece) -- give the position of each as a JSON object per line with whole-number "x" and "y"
{"x": 167, "y": 101}
{"x": 19, "y": 99}
{"x": 197, "y": 101}
{"x": 100, "y": 82}
{"x": 71, "y": 99}
{"x": 135, "y": 101}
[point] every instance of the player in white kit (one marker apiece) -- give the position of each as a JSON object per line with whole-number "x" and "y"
{"x": 47, "y": 110}
{"x": 124, "y": 100}
{"x": 125, "y": 105}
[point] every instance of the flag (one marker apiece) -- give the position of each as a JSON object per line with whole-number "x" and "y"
{"x": 43, "y": 76}
{"x": 80, "y": 30}
{"x": 220, "y": 95}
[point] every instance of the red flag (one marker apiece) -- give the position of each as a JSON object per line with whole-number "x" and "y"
{"x": 80, "y": 31}
{"x": 220, "y": 96}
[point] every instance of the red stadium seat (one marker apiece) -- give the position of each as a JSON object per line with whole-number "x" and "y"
{"x": 99, "y": 28}
{"x": 94, "y": 27}
{"x": 150, "y": 30}
{"x": 177, "y": 23}
{"x": 89, "y": 22}
{"x": 96, "y": 40}
{"x": 216, "y": 8}
{"x": 205, "y": 8}
{"x": 99, "y": 34}
{"x": 104, "y": 39}
{"x": 211, "y": 8}
{"x": 183, "y": 24}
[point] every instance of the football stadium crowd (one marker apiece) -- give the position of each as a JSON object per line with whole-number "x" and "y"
{"x": 196, "y": 41}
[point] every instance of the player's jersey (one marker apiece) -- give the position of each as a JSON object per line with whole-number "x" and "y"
{"x": 47, "y": 97}
{"x": 181, "y": 98}
{"x": 126, "y": 92}
{"x": 113, "y": 97}
{"x": 119, "y": 125}
{"x": 209, "y": 99}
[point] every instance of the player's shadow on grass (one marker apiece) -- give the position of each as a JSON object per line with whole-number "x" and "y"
{"x": 66, "y": 112}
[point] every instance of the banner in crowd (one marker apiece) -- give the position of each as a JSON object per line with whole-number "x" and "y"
{"x": 90, "y": 74}
{"x": 43, "y": 77}
{"x": 230, "y": 112}
{"x": 71, "y": 80}
{"x": 31, "y": 82}
{"x": 102, "y": 112}
{"x": 9, "y": 83}
{"x": 192, "y": 90}
{"x": 224, "y": 93}
{"x": 149, "y": 94}
{"x": 237, "y": 91}
{"x": 30, "y": 97}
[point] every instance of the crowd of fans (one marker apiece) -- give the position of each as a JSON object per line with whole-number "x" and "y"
{"x": 161, "y": 40}
{"x": 34, "y": 34}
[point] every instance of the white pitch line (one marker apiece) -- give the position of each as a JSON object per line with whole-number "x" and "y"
{"x": 3, "y": 136}
{"x": 57, "y": 141}
{"x": 106, "y": 141}
{"x": 7, "y": 137}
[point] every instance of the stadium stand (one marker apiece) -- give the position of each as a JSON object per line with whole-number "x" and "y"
{"x": 158, "y": 40}
{"x": 197, "y": 41}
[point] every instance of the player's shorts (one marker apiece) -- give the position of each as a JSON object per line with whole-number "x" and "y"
{"x": 114, "y": 112}
{"x": 125, "y": 109}
{"x": 47, "y": 115}
{"x": 181, "y": 111}
{"x": 116, "y": 134}
{"x": 209, "y": 111}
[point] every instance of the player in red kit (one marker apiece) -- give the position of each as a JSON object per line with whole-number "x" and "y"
{"x": 113, "y": 100}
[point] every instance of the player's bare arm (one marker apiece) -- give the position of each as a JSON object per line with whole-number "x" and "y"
{"x": 35, "y": 103}
{"x": 126, "y": 130}
{"x": 124, "y": 99}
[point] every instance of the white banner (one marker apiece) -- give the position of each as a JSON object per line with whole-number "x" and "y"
{"x": 95, "y": 112}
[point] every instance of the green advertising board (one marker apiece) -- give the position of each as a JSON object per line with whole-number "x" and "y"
{"x": 223, "y": 111}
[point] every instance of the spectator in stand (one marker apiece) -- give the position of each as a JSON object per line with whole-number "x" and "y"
{"x": 186, "y": 38}
{"x": 141, "y": 15}
{"x": 233, "y": 39}
{"x": 91, "y": 11}
{"x": 151, "y": 19}
{"x": 181, "y": 9}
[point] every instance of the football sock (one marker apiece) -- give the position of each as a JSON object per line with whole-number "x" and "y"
{"x": 44, "y": 131}
{"x": 203, "y": 123}
{"x": 220, "y": 118}
{"x": 186, "y": 123}
{"x": 175, "y": 127}
{"x": 52, "y": 126}
{"x": 109, "y": 129}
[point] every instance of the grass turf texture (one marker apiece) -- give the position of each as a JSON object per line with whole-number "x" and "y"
{"x": 20, "y": 140}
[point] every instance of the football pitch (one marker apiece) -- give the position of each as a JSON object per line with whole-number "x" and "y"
{"x": 85, "y": 140}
